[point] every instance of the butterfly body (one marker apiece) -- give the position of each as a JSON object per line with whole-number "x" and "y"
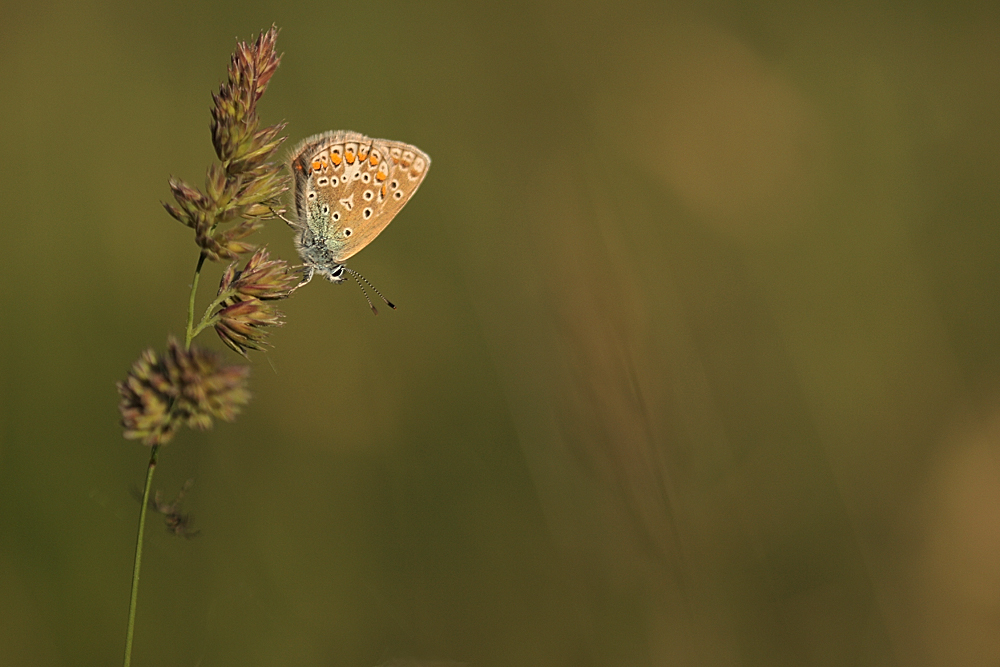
{"x": 348, "y": 187}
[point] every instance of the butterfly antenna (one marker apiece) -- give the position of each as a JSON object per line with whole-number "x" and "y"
{"x": 374, "y": 289}
{"x": 370, "y": 304}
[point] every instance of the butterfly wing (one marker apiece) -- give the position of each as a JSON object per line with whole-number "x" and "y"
{"x": 348, "y": 187}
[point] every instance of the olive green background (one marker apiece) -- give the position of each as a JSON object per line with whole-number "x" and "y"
{"x": 696, "y": 358}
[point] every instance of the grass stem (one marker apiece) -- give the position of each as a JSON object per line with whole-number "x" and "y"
{"x": 133, "y": 598}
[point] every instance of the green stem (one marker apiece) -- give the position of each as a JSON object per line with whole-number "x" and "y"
{"x": 189, "y": 333}
{"x": 204, "y": 325}
{"x": 133, "y": 598}
{"x": 138, "y": 557}
{"x": 208, "y": 319}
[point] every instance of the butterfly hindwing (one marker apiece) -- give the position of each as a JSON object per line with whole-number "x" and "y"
{"x": 349, "y": 187}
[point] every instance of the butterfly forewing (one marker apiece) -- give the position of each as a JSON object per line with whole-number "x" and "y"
{"x": 348, "y": 187}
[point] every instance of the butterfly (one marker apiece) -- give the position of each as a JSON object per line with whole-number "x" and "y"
{"x": 348, "y": 187}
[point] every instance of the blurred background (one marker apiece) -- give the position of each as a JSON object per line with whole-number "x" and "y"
{"x": 695, "y": 362}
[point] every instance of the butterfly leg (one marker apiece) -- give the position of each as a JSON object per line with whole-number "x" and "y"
{"x": 307, "y": 275}
{"x": 287, "y": 221}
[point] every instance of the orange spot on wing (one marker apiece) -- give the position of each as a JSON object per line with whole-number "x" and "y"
{"x": 350, "y": 157}
{"x": 373, "y": 160}
{"x": 336, "y": 159}
{"x": 316, "y": 165}
{"x": 383, "y": 191}
{"x": 381, "y": 175}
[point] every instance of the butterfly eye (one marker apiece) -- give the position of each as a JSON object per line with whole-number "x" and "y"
{"x": 326, "y": 209}
{"x": 336, "y": 216}
{"x": 322, "y": 181}
{"x": 334, "y": 181}
{"x": 398, "y": 194}
{"x": 366, "y": 177}
{"x": 312, "y": 195}
{"x": 348, "y": 231}
{"x": 368, "y": 195}
{"x": 368, "y": 213}
{"x": 394, "y": 184}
